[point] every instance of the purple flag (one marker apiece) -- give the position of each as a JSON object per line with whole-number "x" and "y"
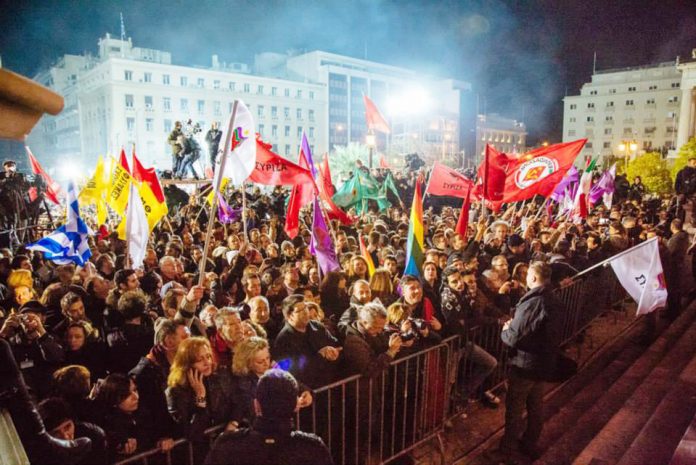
{"x": 320, "y": 245}
{"x": 560, "y": 190}
{"x": 227, "y": 214}
{"x": 605, "y": 185}
{"x": 308, "y": 155}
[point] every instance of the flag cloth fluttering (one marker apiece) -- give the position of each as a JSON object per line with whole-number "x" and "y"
{"x": 639, "y": 270}
{"x": 150, "y": 191}
{"x": 373, "y": 117}
{"x": 301, "y": 194}
{"x": 96, "y": 189}
{"x": 53, "y": 189}
{"x": 446, "y": 181}
{"x": 604, "y": 187}
{"x": 137, "y": 231}
{"x": 463, "y": 221}
{"x": 325, "y": 172}
{"x": 365, "y": 254}
{"x": 119, "y": 185}
{"x": 320, "y": 244}
{"x": 580, "y": 208}
{"x": 414, "y": 246}
{"x": 241, "y": 153}
{"x": 273, "y": 170}
{"x": 227, "y": 214}
{"x": 68, "y": 243}
{"x": 560, "y": 191}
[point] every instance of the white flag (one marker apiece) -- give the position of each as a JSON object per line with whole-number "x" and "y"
{"x": 241, "y": 153}
{"x": 137, "y": 229}
{"x": 639, "y": 270}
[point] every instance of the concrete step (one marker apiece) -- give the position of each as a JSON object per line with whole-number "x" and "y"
{"x": 662, "y": 433}
{"x": 585, "y": 415}
{"x": 620, "y": 431}
{"x": 686, "y": 450}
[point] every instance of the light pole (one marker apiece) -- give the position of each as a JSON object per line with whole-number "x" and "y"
{"x": 371, "y": 141}
{"x": 627, "y": 147}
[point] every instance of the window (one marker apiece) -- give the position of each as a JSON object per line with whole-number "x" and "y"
{"x": 287, "y": 131}
{"x": 201, "y": 106}
{"x": 261, "y": 129}
{"x": 129, "y": 100}
{"x": 299, "y": 113}
{"x": 593, "y": 92}
{"x": 183, "y": 80}
{"x": 149, "y": 124}
{"x": 148, "y": 102}
{"x": 629, "y": 103}
{"x": 274, "y": 91}
{"x": 311, "y": 95}
{"x": 673, "y": 99}
{"x": 147, "y": 77}
{"x": 610, "y": 104}
{"x": 311, "y": 132}
{"x": 286, "y": 111}
{"x": 590, "y": 105}
{"x": 652, "y": 88}
{"x": 128, "y": 75}
{"x": 627, "y": 131}
{"x": 675, "y": 85}
{"x": 229, "y": 107}
{"x": 165, "y": 79}
{"x": 130, "y": 124}
{"x": 247, "y": 88}
{"x": 167, "y": 104}
{"x": 299, "y": 93}
{"x": 572, "y": 119}
{"x": 274, "y": 131}
{"x": 607, "y": 131}
{"x": 647, "y": 144}
{"x": 184, "y": 104}
{"x": 274, "y": 112}
{"x": 573, "y": 106}
{"x": 671, "y": 114}
{"x": 200, "y": 82}
{"x": 571, "y": 132}
{"x": 299, "y": 132}
{"x": 231, "y": 85}
{"x": 606, "y": 145}
{"x": 216, "y": 108}
{"x": 167, "y": 125}
{"x": 590, "y": 119}
{"x": 650, "y": 101}
{"x": 216, "y": 84}
{"x": 259, "y": 90}
{"x": 311, "y": 115}
{"x": 287, "y": 149}
{"x": 287, "y": 92}
{"x": 260, "y": 111}
{"x": 609, "y": 118}
{"x": 588, "y": 145}
{"x": 631, "y": 89}
{"x": 612, "y": 91}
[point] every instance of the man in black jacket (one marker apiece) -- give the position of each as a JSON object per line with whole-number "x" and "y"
{"x": 535, "y": 334}
{"x": 272, "y": 440}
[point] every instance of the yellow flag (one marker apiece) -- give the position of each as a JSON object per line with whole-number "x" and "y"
{"x": 223, "y": 184}
{"x": 94, "y": 189}
{"x": 154, "y": 210}
{"x": 119, "y": 185}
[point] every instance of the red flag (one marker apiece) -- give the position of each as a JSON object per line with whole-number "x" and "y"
{"x": 273, "y": 170}
{"x": 446, "y": 181}
{"x": 124, "y": 161}
{"x": 491, "y": 175}
{"x": 146, "y": 175}
{"x": 463, "y": 222}
{"x": 325, "y": 172}
{"x": 375, "y": 120}
{"x": 53, "y": 189}
{"x": 383, "y": 163}
{"x": 539, "y": 171}
{"x": 302, "y": 194}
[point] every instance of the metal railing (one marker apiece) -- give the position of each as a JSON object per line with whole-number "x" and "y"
{"x": 374, "y": 420}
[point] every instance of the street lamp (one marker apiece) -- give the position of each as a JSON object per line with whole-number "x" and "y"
{"x": 371, "y": 141}
{"x": 627, "y": 147}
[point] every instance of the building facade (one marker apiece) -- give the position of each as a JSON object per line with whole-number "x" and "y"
{"x": 626, "y": 108}
{"x": 687, "y": 120}
{"x": 505, "y": 134}
{"x": 127, "y": 96}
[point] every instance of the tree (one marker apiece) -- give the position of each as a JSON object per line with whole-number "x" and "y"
{"x": 653, "y": 171}
{"x": 686, "y": 151}
{"x": 343, "y": 158}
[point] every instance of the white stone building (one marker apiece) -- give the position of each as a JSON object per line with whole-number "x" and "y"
{"x": 622, "y": 107}
{"x": 505, "y": 134}
{"x": 687, "y": 121}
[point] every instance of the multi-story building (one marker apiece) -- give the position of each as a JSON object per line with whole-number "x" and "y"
{"x": 128, "y": 95}
{"x": 505, "y": 134}
{"x": 687, "y": 121}
{"x": 623, "y": 107}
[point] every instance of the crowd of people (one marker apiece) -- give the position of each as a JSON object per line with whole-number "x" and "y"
{"x": 135, "y": 359}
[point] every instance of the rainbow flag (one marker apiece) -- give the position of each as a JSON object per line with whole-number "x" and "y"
{"x": 414, "y": 247}
{"x": 366, "y": 255}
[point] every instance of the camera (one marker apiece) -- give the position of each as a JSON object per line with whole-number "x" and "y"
{"x": 418, "y": 323}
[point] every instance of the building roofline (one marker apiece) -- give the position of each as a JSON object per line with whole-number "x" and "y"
{"x": 664, "y": 64}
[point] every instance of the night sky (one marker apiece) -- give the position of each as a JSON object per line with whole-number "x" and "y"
{"x": 521, "y": 56}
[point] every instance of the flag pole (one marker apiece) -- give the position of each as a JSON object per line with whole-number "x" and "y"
{"x": 613, "y": 257}
{"x": 485, "y": 182}
{"x": 244, "y": 214}
{"x": 216, "y": 186}
{"x": 125, "y": 225}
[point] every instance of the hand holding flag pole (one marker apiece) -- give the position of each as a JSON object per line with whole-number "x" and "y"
{"x": 216, "y": 188}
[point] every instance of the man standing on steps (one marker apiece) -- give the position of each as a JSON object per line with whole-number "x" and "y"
{"x": 534, "y": 334}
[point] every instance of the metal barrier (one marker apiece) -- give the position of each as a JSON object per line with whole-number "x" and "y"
{"x": 374, "y": 420}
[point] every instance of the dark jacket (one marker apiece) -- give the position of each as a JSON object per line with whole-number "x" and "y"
{"x": 119, "y": 427}
{"x": 127, "y": 344}
{"x": 535, "y": 332}
{"x": 92, "y": 355}
{"x": 455, "y": 310}
{"x": 269, "y": 442}
{"x": 37, "y": 359}
{"x": 685, "y": 182}
{"x": 365, "y": 355}
{"x": 299, "y": 353}
{"x": 194, "y": 420}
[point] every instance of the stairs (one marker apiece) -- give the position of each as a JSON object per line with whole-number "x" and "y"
{"x": 633, "y": 410}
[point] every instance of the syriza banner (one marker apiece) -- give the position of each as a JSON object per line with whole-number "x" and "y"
{"x": 639, "y": 271}
{"x": 448, "y": 182}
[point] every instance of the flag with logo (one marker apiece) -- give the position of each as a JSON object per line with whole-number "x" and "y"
{"x": 273, "y": 170}
{"x": 241, "y": 146}
{"x": 639, "y": 270}
{"x": 150, "y": 192}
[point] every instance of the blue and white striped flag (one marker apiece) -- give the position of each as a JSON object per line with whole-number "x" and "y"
{"x": 68, "y": 243}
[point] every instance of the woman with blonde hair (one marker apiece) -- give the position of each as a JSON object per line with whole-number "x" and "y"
{"x": 382, "y": 287}
{"x": 357, "y": 269}
{"x": 251, "y": 360}
{"x": 22, "y": 285}
{"x": 198, "y": 395}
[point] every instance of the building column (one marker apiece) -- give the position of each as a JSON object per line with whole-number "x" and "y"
{"x": 687, "y": 116}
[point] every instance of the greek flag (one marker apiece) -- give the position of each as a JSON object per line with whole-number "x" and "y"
{"x": 68, "y": 243}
